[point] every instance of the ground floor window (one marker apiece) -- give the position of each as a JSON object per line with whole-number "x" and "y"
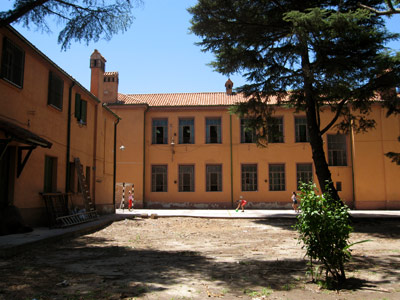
{"x": 159, "y": 178}
{"x": 186, "y": 178}
{"x": 213, "y": 178}
{"x": 50, "y": 174}
{"x": 249, "y": 178}
{"x": 277, "y": 177}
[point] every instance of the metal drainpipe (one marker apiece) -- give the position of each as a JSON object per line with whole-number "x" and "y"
{"x": 352, "y": 163}
{"x": 230, "y": 128}
{"x": 144, "y": 156}
{"x": 68, "y": 171}
{"x": 115, "y": 161}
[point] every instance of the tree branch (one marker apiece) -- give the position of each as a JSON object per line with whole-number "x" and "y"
{"x": 14, "y": 15}
{"x": 338, "y": 112}
{"x": 390, "y": 11}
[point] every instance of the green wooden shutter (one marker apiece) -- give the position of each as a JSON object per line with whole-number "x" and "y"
{"x": 78, "y": 106}
{"x": 83, "y": 111}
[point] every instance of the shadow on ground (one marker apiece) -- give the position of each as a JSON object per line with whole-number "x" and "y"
{"x": 95, "y": 268}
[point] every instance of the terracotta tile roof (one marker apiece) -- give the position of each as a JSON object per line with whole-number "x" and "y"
{"x": 182, "y": 99}
{"x": 110, "y": 73}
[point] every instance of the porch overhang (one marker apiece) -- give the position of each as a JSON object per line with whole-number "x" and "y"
{"x": 16, "y": 133}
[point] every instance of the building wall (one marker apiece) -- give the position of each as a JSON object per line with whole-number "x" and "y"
{"x": 376, "y": 177}
{"x": 378, "y": 191}
{"x": 28, "y": 108}
{"x": 130, "y": 159}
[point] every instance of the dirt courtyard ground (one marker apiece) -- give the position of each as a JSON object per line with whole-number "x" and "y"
{"x": 192, "y": 258}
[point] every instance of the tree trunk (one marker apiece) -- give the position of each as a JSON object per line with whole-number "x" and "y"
{"x": 318, "y": 154}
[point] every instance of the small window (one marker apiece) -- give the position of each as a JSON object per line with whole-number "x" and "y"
{"x": 303, "y": 173}
{"x": 186, "y": 178}
{"x": 80, "y": 109}
{"x": 159, "y": 178}
{"x": 160, "y": 131}
{"x": 213, "y": 130}
{"x": 50, "y": 174}
{"x": 339, "y": 186}
{"x": 247, "y": 135}
{"x": 275, "y": 130}
{"x": 12, "y": 63}
{"x": 249, "y": 178}
{"x": 186, "y": 131}
{"x": 56, "y": 88}
{"x": 277, "y": 177}
{"x": 337, "y": 150}
{"x": 301, "y": 130}
{"x": 213, "y": 178}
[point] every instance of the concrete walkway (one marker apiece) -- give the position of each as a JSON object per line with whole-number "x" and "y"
{"x": 17, "y": 243}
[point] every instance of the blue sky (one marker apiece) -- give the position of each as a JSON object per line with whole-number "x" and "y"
{"x": 156, "y": 55}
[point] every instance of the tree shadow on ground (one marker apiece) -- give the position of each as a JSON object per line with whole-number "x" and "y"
{"x": 283, "y": 223}
{"x": 378, "y": 228}
{"x": 135, "y": 272}
{"x": 102, "y": 270}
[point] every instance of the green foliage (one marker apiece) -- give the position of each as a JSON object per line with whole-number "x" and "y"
{"x": 309, "y": 55}
{"x": 324, "y": 229}
{"x": 83, "y": 20}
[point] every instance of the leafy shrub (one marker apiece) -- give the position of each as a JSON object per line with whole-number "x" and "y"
{"x": 324, "y": 228}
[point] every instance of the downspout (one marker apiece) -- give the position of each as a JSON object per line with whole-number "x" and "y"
{"x": 230, "y": 137}
{"x": 144, "y": 156}
{"x": 68, "y": 171}
{"x": 352, "y": 164}
{"x": 95, "y": 133}
{"x": 115, "y": 161}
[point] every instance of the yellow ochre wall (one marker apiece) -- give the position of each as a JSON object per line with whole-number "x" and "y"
{"x": 27, "y": 107}
{"x": 375, "y": 177}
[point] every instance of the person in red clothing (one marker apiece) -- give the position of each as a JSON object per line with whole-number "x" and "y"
{"x": 241, "y": 204}
{"x": 130, "y": 198}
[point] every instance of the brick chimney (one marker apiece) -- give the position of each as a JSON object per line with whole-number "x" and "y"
{"x": 110, "y": 87}
{"x": 228, "y": 86}
{"x": 97, "y": 65}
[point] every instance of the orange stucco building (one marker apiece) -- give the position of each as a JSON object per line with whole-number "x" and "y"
{"x": 47, "y": 119}
{"x": 186, "y": 150}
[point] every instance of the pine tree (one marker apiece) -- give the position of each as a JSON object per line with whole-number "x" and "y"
{"x": 84, "y": 20}
{"x": 310, "y": 55}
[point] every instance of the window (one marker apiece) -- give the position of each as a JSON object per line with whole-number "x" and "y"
{"x": 56, "y": 88}
{"x": 186, "y": 178}
{"x": 186, "y": 131}
{"x": 301, "y": 129}
{"x": 275, "y": 130}
{"x": 12, "y": 63}
{"x": 71, "y": 182}
{"x": 87, "y": 177}
{"x": 249, "y": 178}
{"x": 337, "y": 155}
{"x": 339, "y": 186}
{"x": 246, "y": 135}
{"x": 213, "y": 178}
{"x": 159, "y": 178}
{"x": 303, "y": 174}
{"x": 80, "y": 109}
{"x": 50, "y": 174}
{"x": 277, "y": 177}
{"x": 160, "y": 131}
{"x": 213, "y": 130}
